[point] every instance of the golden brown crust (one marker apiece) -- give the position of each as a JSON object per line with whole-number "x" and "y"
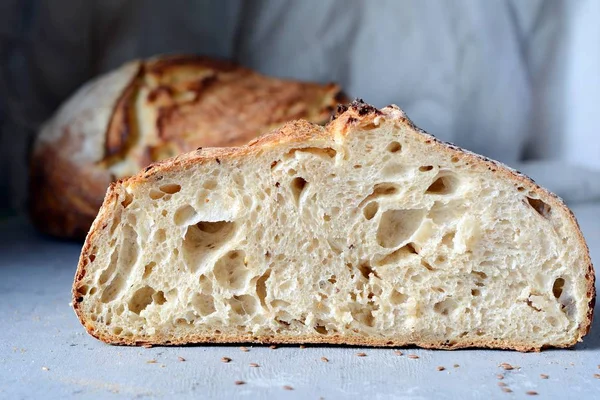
{"x": 159, "y": 108}
{"x": 297, "y": 131}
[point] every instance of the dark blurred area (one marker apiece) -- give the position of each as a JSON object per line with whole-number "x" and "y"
{"x": 514, "y": 80}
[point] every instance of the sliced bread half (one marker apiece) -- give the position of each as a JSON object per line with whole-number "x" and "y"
{"x": 367, "y": 231}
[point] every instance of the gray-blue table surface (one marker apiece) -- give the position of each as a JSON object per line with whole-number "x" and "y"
{"x": 45, "y": 352}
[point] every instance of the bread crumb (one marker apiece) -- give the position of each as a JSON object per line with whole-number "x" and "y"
{"x": 544, "y": 376}
{"x": 413, "y": 356}
{"x": 361, "y": 354}
{"x": 45, "y": 369}
{"x": 440, "y": 368}
{"x": 255, "y": 365}
{"x": 532, "y": 393}
{"x": 153, "y": 361}
{"x": 507, "y": 366}
{"x": 398, "y": 352}
{"x": 288, "y": 387}
{"x": 272, "y": 347}
{"x": 506, "y": 390}
{"x": 324, "y": 359}
{"x": 181, "y": 358}
{"x": 225, "y": 359}
{"x": 240, "y": 382}
{"x": 500, "y": 376}
{"x": 244, "y": 349}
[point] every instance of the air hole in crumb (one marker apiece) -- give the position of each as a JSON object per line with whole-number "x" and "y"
{"x": 332, "y": 279}
{"x": 426, "y": 168}
{"x": 203, "y": 304}
{"x": 156, "y": 194}
{"x": 427, "y": 266}
{"x": 117, "y": 330}
{"x": 455, "y": 159}
{"x": 394, "y": 147}
{"x": 326, "y": 218}
{"x": 127, "y": 201}
{"x": 557, "y": 287}
{"x": 92, "y": 257}
{"x": 475, "y": 292}
{"x": 321, "y": 329}
{"x": 209, "y": 184}
{"x": 536, "y": 329}
{"x": 479, "y": 274}
{"x": 184, "y": 214}
{"x": 148, "y": 269}
{"x": 159, "y": 298}
{"x": 231, "y": 270}
{"x": 443, "y": 184}
{"x": 170, "y": 188}
{"x": 539, "y": 206}
{"x": 366, "y": 271}
{"x": 520, "y": 189}
{"x": 397, "y": 226}
{"x": 298, "y": 185}
{"x": 261, "y": 287}
{"x": 164, "y": 213}
{"x": 445, "y": 307}
{"x": 141, "y": 299}
{"x": 370, "y": 210}
{"x": 243, "y": 305}
{"x": 397, "y": 297}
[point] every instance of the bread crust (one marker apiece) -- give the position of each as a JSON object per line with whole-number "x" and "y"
{"x": 357, "y": 113}
{"x": 143, "y": 112}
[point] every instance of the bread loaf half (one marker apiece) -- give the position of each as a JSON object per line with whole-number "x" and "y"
{"x": 367, "y": 231}
{"x": 147, "y": 111}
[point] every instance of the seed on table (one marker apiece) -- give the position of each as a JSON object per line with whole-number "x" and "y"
{"x": 181, "y": 358}
{"x": 544, "y": 376}
{"x": 413, "y": 356}
{"x": 361, "y": 354}
{"x": 531, "y": 393}
{"x": 225, "y": 359}
{"x": 244, "y": 349}
{"x": 324, "y": 359}
{"x": 500, "y": 376}
{"x": 255, "y": 365}
{"x": 502, "y": 384}
{"x": 440, "y": 368}
{"x": 456, "y": 365}
{"x": 288, "y": 387}
{"x": 506, "y": 390}
{"x": 272, "y": 347}
{"x": 398, "y": 352}
{"x": 240, "y": 382}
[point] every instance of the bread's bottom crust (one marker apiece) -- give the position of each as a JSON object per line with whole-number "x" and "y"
{"x": 346, "y": 340}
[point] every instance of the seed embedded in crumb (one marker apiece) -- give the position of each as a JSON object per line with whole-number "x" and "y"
{"x": 500, "y": 376}
{"x": 456, "y": 365}
{"x": 153, "y": 361}
{"x": 255, "y": 365}
{"x": 324, "y": 359}
{"x": 544, "y": 376}
{"x": 532, "y": 393}
{"x": 398, "y": 352}
{"x": 240, "y": 383}
{"x": 288, "y": 387}
{"x": 413, "y": 356}
{"x": 502, "y": 384}
{"x": 181, "y": 358}
{"x": 225, "y": 359}
{"x": 440, "y": 368}
{"x": 45, "y": 369}
{"x": 244, "y": 349}
{"x": 506, "y": 390}
{"x": 361, "y": 354}
{"x": 272, "y": 347}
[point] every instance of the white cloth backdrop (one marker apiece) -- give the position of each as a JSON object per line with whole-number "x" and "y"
{"x": 516, "y": 80}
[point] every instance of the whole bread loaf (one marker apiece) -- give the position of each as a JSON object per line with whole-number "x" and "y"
{"x": 367, "y": 231}
{"x": 146, "y": 111}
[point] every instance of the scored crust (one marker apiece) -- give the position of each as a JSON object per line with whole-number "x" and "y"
{"x": 357, "y": 113}
{"x": 150, "y": 110}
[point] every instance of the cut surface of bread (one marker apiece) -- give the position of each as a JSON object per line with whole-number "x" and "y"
{"x": 367, "y": 231}
{"x": 149, "y": 110}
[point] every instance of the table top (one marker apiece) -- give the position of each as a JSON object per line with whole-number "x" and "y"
{"x": 45, "y": 352}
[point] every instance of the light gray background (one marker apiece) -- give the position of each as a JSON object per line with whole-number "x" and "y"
{"x": 39, "y": 329}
